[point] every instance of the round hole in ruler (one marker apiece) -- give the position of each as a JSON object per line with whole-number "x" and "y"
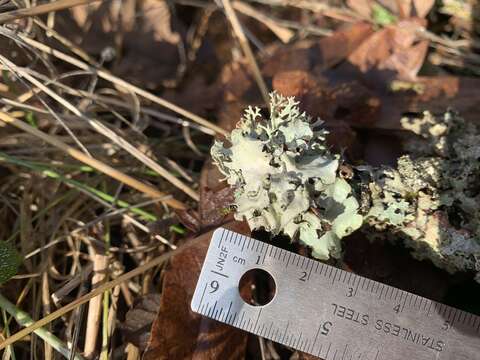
{"x": 257, "y": 287}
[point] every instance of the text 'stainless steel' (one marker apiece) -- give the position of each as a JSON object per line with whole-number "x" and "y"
{"x": 328, "y": 312}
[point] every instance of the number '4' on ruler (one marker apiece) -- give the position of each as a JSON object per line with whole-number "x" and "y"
{"x": 328, "y": 312}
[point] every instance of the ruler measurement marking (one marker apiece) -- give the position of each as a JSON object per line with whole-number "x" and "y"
{"x": 415, "y": 303}
{"x": 288, "y": 260}
{"x": 265, "y": 254}
{"x": 429, "y": 308}
{"x": 261, "y": 330}
{"x": 214, "y": 305}
{"x": 363, "y": 283}
{"x": 288, "y": 340}
{"x": 335, "y": 275}
{"x": 243, "y": 243}
{"x": 316, "y": 336}
{"x": 305, "y": 344}
{"x": 345, "y": 352}
{"x": 249, "y": 322}
{"x": 221, "y": 238}
{"x": 203, "y": 294}
{"x": 249, "y": 242}
{"x": 392, "y": 292}
{"x": 309, "y": 262}
{"x": 320, "y": 350}
{"x": 234, "y": 317}
{"x": 286, "y": 329}
{"x": 258, "y": 317}
{"x": 219, "y": 273}
{"x": 381, "y": 291}
{"x": 470, "y": 316}
{"x": 407, "y": 295}
{"x": 269, "y": 330}
{"x": 228, "y": 311}
{"x": 232, "y": 234}
{"x": 242, "y": 319}
{"x": 330, "y": 273}
{"x": 298, "y": 259}
{"x": 328, "y": 350}
{"x": 349, "y": 278}
{"x": 298, "y": 341}
{"x": 335, "y": 355}
{"x": 357, "y": 280}
{"x": 275, "y": 337}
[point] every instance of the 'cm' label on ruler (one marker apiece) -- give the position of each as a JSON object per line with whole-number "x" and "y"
{"x": 328, "y": 312}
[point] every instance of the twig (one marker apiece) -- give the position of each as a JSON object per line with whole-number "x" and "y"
{"x": 96, "y": 164}
{"x": 284, "y": 34}
{"x": 100, "y": 264}
{"x": 237, "y": 29}
{"x": 25, "y": 320}
{"x": 41, "y": 9}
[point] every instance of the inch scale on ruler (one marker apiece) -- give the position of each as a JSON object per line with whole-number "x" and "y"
{"x": 328, "y": 312}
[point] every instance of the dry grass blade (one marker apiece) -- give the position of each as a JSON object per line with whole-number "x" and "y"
{"x": 98, "y": 165}
{"x": 237, "y": 28}
{"x": 41, "y": 9}
{"x": 104, "y": 130}
{"x": 122, "y": 84}
{"x": 100, "y": 290}
{"x": 284, "y": 34}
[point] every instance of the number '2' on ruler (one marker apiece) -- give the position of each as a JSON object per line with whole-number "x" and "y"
{"x": 328, "y": 312}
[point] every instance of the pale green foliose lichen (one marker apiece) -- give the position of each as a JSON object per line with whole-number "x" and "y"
{"x": 287, "y": 181}
{"x": 285, "y": 177}
{"x": 432, "y": 198}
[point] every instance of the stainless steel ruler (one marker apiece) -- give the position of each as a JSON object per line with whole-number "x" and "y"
{"x": 328, "y": 312}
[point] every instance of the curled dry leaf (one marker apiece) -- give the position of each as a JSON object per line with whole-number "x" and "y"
{"x": 177, "y": 332}
{"x": 395, "y": 52}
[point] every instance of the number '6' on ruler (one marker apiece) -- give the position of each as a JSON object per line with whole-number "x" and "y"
{"x": 328, "y": 312}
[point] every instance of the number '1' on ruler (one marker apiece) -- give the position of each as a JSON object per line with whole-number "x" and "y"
{"x": 328, "y": 312}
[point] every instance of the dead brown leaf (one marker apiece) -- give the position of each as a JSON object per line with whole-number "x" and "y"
{"x": 177, "y": 332}
{"x": 395, "y": 52}
{"x": 408, "y": 8}
{"x": 143, "y": 35}
{"x": 321, "y": 54}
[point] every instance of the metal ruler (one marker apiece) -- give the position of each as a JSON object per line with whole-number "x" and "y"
{"x": 328, "y": 312}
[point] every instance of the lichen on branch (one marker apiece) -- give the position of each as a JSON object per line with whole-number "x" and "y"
{"x": 286, "y": 180}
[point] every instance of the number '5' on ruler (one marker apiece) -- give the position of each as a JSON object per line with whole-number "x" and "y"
{"x": 328, "y": 312}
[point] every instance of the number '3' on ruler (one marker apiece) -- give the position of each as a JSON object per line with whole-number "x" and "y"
{"x": 328, "y": 312}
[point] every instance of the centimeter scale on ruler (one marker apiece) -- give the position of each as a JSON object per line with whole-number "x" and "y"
{"x": 328, "y": 312}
